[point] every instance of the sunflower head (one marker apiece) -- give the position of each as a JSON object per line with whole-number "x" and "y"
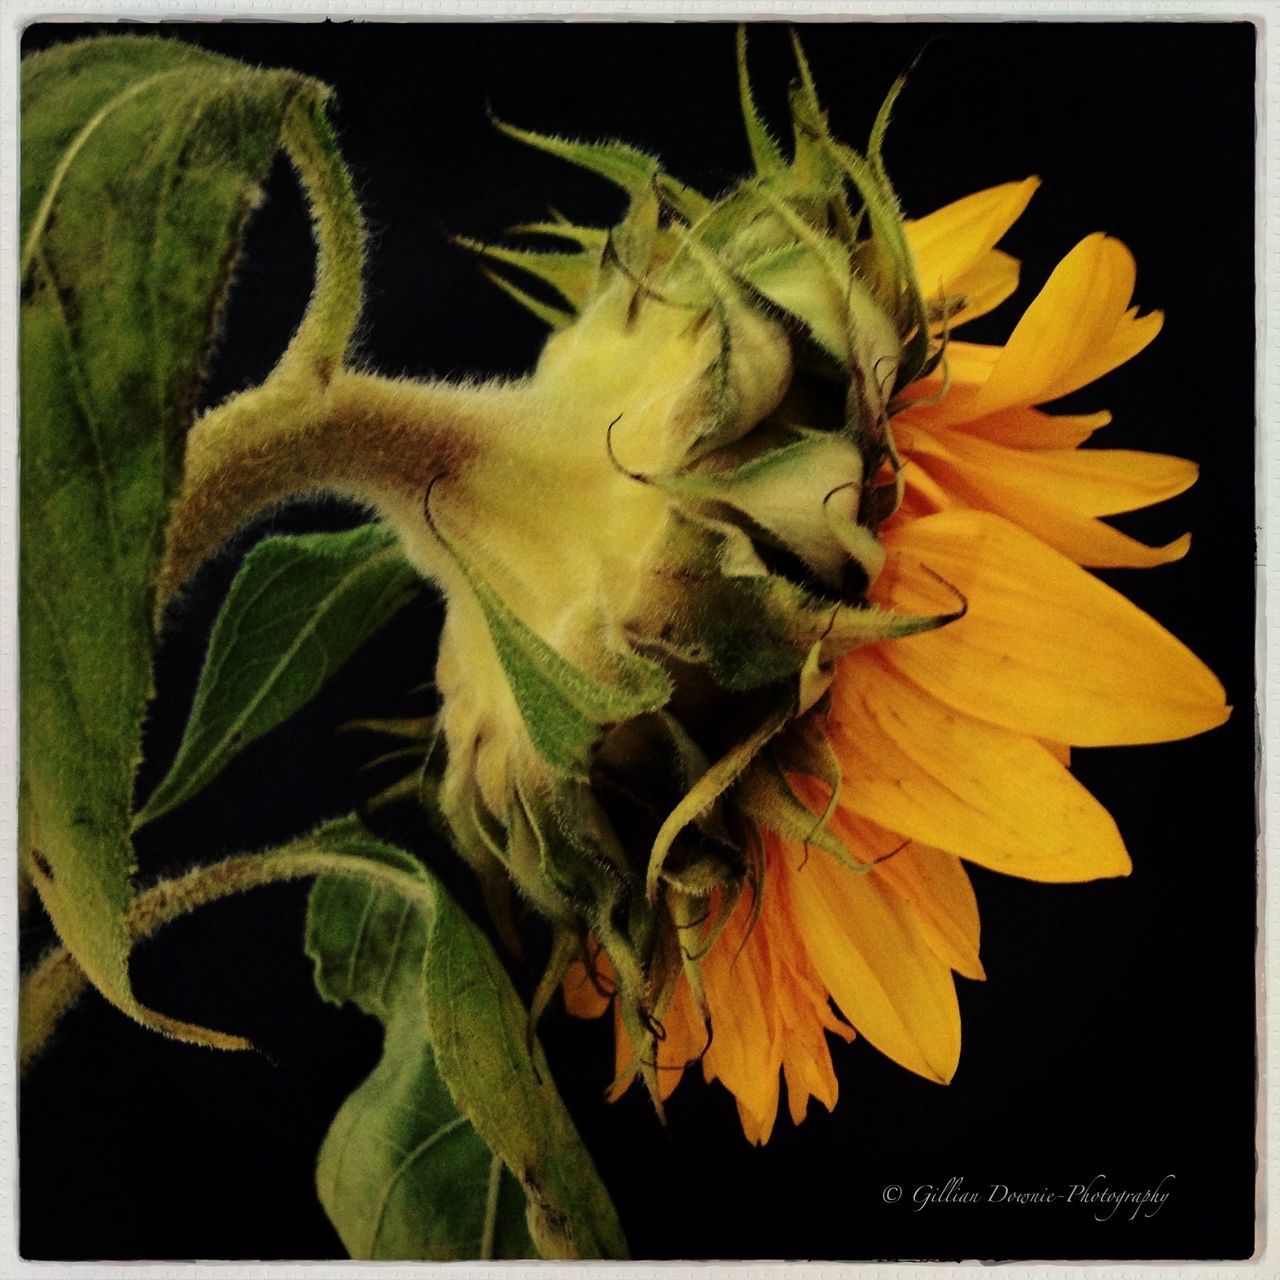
{"x": 651, "y": 579}
{"x": 749, "y": 456}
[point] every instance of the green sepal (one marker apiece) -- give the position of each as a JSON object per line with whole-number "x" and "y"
{"x": 746, "y": 380}
{"x": 622, "y": 165}
{"x": 553, "y": 317}
{"x": 869, "y": 624}
{"x": 713, "y": 784}
{"x": 813, "y": 168}
{"x": 581, "y": 855}
{"x": 765, "y": 795}
{"x": 563, "y": 708}
{"x": 766, "y": 155}
{"x": 572, "y": 275}
{"x": 590, "y": 239}
{"x": 880, "y": 127}
{"x": 739, "y": 621}
{"x": 683, "y": 200}
{"x": 894, "y": 263}
{"x": 794, "y": 279}
{"x": 783, "y": 490}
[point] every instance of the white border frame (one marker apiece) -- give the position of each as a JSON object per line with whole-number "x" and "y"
{"x": 17, "y": 14}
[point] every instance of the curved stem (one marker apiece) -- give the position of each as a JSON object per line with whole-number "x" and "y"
{"x": 321, "y": 342}
{"x": 53, "y": 986}
{"x": 293, "y": 396}
{"x": 362, "y": 436}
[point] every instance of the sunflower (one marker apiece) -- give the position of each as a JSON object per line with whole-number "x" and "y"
{"x": 953, "y": 745}
{"x": 767, "y": 598}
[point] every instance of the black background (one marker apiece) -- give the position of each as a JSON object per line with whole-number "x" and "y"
{"x": 1115, "y": 1032}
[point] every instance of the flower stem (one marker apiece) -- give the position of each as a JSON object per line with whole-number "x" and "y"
{"x": 379, "y": 441}
{"x": 53, "y": 986}
{"x": 321, "y": 341}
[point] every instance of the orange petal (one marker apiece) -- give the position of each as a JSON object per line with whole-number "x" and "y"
{"x": 683, "y": 1039}
{"x": 1045, "y": 648}
{"x": 866, "y": 946}
{"x": 744, "y": 1054}
{"x": 961, "y": 784}
{"x": 583, "y": 998}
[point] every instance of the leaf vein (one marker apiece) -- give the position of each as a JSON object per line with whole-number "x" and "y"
{"x": 384, "y": 1197}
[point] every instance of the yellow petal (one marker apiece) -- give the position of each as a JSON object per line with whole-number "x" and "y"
{"x": 949, "y": 780}
{"x": 1045, "y": 648}
{"x": 960, "y": 375}
{"x": 922, "y": 494}
{"x": 1095, "y": 482}
{"x": 1079, "y": 328}
{"x": 953, "y": 240}
{"x": 1027, "y": 428}
{"x": 937, "y": 886}
{"x": 980, "y": 289}
{"x": 1055, "y": 493}
{"x": 865, "y": 945}
{"x": 933, "y": 882}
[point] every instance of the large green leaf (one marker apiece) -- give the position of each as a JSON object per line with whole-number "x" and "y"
{"x": 299, "y": 607}
{"x": 402, "y": 1174}
{"x": 141, "y": 161}
{"x": 407, "y": 1168}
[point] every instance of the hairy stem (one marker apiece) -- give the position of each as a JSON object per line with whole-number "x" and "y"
{"x": 50, "y": 989}
{"x": 378, "y": 440}
{"x": 321, "y": 341}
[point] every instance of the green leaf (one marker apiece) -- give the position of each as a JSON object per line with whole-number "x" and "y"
{"x": 406, "y": 1170}
{"x": 401, "y": 1174}
{"x": 141, "y": 160}
{"x": 299, "y": 607}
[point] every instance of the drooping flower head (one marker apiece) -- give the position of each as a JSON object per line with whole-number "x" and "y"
{"x": 766, "y": 606}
